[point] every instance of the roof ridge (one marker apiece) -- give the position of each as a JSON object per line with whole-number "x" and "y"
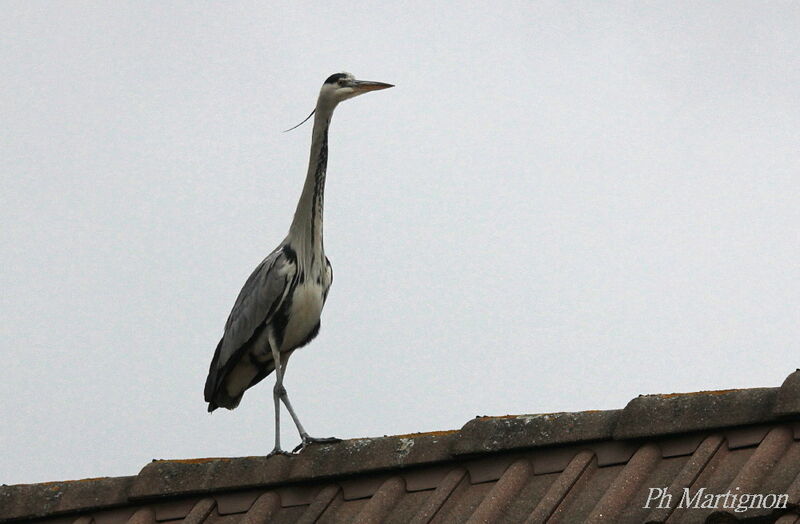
{"x": 644, "y": 417}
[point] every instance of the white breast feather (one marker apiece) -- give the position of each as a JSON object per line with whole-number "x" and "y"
{"x": 304, "y": 314}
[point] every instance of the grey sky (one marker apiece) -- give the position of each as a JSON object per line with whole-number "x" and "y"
{"x": 559, "y": 207}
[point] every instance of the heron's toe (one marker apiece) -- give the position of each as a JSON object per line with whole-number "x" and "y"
{"x": 307, "y": 441}
{"x": 278, "y": 451}
{"x": 323, "y": 440}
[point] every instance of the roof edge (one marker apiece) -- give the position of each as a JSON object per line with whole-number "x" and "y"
{"x": 646, "y": 416}
{"x": 25, "y": 501}
{"x": 349, "y": 457}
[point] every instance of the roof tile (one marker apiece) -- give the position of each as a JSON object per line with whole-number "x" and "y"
{"x": 652, "y": 415}
{"x": 143, "y": 516}
{"x": 688, "y": 474}
{"x": 764, "y": 459}
{"x": 379, "y": 505}
{"x": 788, "y": 402}
{"x": 643, "y": 462}
{"x": 200, "y": 511}
{"x": 563, "y": 467}
{"x": 487, "y": 469}
{"x": 173, "y": 509}
{"x": 442, "y": 492}
{"x": 320, "y": 504}
{"x": 560, "y": 487}
{"x": 486, "y": 434}
{"x": 504, "y": 490}
{"x": 263, "y": 508}
{"x": 743, "y": 437}
{"x": 236, "y": 502}
{"x": 52, "y": 498}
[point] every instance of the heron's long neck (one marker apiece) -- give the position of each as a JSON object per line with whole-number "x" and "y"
{"x": 306, "y": 230}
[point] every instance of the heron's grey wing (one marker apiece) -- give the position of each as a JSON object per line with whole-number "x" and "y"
{"x": 258, "y": 300}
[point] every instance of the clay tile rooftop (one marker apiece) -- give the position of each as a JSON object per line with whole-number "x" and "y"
{"x": 594, "y": 466}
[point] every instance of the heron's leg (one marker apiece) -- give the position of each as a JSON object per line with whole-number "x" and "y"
{"x": 276, "y": 398}
{"x": 284, "y": 396}
{"x": 306, "y": 438}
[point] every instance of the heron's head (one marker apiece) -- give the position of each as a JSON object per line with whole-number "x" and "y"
{"x": 341, "y": 86}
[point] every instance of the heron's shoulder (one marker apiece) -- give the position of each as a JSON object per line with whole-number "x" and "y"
{"x": 265, "y": 285}
{"x": 280, "y": 263}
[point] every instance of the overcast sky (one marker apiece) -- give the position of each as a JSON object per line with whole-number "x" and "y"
{"x": 560, "y": 206}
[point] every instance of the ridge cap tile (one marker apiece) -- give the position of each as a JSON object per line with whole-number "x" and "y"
{"x": 788, "y": 402}
{"x": 24, "y": 501}
{"x": 490, "y": 434}
{"x": 185, "y": 477}
{"x": 666, "y": 414}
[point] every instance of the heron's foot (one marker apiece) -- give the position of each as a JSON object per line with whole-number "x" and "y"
{"x": 278, "y": 451}
{"x": 307, "y": 441}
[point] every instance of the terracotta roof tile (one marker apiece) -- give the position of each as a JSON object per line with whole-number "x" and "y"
{"x": 502, "y": 494}
{"x": 559, "y": 487}
{"x": 433, "y": 503}
{"x": 688, "y": 472}
{"x": 382, "y": 501}
{"x": 563, "y": 467}
{"x": 265, "y": 506}
{"x": 631, "y": 478}
{"x": 143, "y": 516}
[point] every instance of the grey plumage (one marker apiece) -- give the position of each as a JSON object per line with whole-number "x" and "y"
{"x": 278, "y": 309}
{"x": 255, "y": 306}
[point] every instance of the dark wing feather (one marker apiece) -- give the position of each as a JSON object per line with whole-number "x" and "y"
{"x": 258, "y": 300}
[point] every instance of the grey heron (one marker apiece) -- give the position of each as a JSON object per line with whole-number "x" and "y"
{"x": 278, "y": 309}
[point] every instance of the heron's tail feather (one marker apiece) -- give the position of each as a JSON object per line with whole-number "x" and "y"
{"x": 222, "y": 400}
{"x": 225, "y": 387}
{"x": 215, "y": 392}
{"x": 212, "y": 379}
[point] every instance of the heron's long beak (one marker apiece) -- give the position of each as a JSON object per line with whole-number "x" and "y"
{"x": 363, "y": 86}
